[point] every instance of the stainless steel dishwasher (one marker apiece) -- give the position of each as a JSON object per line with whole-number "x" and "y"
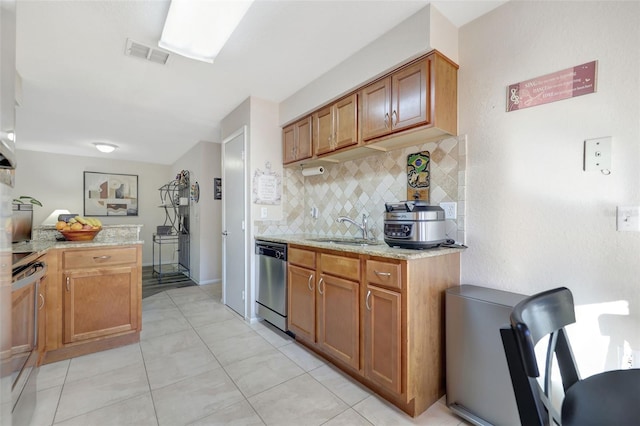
{"x": 271, "y": 272}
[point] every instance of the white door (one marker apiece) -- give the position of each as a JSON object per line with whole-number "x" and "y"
{"x": 234, "y": 245}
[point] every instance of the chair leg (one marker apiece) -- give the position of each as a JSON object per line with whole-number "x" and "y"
{"x": 526, "y": 398}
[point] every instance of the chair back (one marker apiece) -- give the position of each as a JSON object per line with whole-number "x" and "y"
{"x": 538, "y": 316}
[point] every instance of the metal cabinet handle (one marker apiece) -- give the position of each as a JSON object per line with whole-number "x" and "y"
{"x": 394, "y": 113}
{"x": 68, "y": 284}
{"x": 366, "y": 301}
{"x": 382, "y": 274}
{"x": 105, "y": 257}
{"x": 320, "y": 286}
{"x": 386, "y": 120}
{"x": 309, "y": 282}
{"x": 42, "y": 301}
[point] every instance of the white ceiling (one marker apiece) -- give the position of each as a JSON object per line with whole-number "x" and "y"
{"x": 79, "y": 87}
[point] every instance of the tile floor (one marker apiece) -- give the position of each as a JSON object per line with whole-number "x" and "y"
{"x": 198, "y": 363}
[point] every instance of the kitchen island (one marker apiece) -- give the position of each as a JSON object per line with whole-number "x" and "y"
{"x": 374, "y": 311}
{"x": 92, "y": 297}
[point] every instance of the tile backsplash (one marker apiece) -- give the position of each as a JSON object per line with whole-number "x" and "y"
{"x": 362, "y": 186}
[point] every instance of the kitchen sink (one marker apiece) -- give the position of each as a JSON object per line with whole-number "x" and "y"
{"x": 346, "y": 241}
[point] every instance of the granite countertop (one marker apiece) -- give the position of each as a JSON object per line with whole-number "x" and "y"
{"x": 380, "y": 249}
{"x": 111, "y": 235}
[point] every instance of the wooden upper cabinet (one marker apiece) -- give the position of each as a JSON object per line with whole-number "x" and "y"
{"x": 296, "y": 141}
{"x": 346, "y": 122}
{"x": 415, "y": 103}
{"x": 376, "y": 106}
{"x": 304, "y": 138}
{"x": 288, "y": 144}
{"x": 410, "y": 96}
{"x": 336, "y": 126}
{"x": 397, "y": 102}
{"x": 323, "y": 130}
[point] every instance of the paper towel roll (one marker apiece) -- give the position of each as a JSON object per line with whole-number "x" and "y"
{"x": 312, "y": 171}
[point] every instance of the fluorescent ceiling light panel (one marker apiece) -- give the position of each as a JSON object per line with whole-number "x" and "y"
{"x": 198, "y": 29}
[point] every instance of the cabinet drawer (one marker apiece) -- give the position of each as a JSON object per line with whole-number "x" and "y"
{"x": 300, "y": 257}
{"x": 384, "y": 273}
{"x": 344, "y": 267}
{"x": 91, "y": 258}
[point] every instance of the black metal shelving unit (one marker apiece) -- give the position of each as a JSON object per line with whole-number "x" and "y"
{"x": 174, "y": 198}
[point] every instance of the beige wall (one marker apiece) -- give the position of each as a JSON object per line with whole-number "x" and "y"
{"x": 424, "y": 31}
{"x": 56, "y": 180}
{"x": 263, "y": 147}
{"x": 203, "y": 163}
{"x": 535, "y": 220}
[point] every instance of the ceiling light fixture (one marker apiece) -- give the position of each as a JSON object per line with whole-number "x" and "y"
{"x": 199, "y": 29}
{"x": 105, "y": 147}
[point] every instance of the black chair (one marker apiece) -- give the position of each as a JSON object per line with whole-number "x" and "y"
{"x": 609, "y": 398}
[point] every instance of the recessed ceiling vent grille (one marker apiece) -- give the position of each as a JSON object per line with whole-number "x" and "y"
{"x": 145, "y": 52}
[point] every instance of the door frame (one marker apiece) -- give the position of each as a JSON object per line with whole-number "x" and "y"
{"x": 241, "y": 131}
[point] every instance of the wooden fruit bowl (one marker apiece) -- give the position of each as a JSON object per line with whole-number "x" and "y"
{"x": 82, "y": 235}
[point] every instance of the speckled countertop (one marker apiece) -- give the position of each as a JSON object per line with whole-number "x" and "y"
{"x": 45, "y": 239}
{"x": 380, "y": 249}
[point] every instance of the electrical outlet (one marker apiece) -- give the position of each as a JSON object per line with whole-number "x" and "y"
{"x": 597, "y": 154}
{"x": 450, "y": 210}
{"x": 263, "y": 212}
{"x": 628, "y": 218}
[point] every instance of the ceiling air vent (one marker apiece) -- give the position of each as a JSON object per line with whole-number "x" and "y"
{"x": 145, "y": 52}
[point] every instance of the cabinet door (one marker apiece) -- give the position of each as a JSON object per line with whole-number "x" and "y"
{"x": 346, "y": 122}
{"x": 304, "y": 139}
{"x": 99, "y": 302}
{"x": 42, "y": 318}
{"x": 410, "y": 106}
{"x": 383, "y": 337}
{"x": 376, "y": 109}
{"x": 288, "y": 144}
{"x": 323, "y": 131}
{"x": 338, "y": 323}
{"x": 302, "y": 302}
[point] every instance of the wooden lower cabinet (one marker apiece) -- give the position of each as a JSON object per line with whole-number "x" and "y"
{"x": 302, "y": 302}
{"x": 383, "y": 338}
{"x": 324, "y": 303}
{"x": 93, "y": 300}
{"x": 379, "y": 319}
{"x": 42, "y": 317}
{"x": 99, "y": 303}
{"x": 338, "y": 319}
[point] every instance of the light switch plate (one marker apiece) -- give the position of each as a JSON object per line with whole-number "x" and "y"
{"x": 597, "y": 155}
{"x": 263, "y": 212}
{"x": 628, "y": 218}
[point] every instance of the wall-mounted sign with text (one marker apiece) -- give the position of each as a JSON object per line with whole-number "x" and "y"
{"x": 577, "y": 81}
{"x": 267, "y": 186}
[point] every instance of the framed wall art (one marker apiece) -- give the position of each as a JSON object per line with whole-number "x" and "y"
{"x": 110, "y": 194}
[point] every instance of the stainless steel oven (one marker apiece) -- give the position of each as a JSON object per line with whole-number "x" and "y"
{"x": 271, "y": 273}
{"x": 26, "y": 301}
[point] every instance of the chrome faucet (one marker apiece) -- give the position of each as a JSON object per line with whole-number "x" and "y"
{"x": 363, "y": 227}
